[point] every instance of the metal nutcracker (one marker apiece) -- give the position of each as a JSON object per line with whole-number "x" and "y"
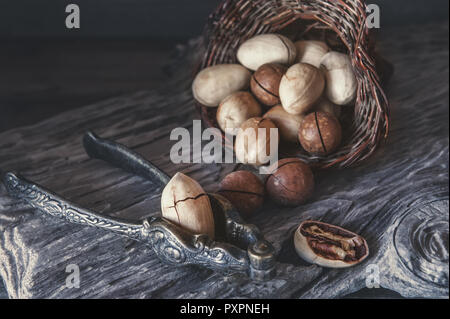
{"x": 239, "y": 247}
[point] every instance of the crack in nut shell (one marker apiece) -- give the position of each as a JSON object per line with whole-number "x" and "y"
{"x": 244, "y": 190}
{"x": 320, "y": 133}
{"x": 185, "y": 203}
{"x": 329, "y": 246}
{"x": 291, "y": 182}
{"x": 265, "y": 83}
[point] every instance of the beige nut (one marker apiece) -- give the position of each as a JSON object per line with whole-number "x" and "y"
{"x": 185, "y": 203}
{"x": 300, "y": 88}
{"x": 235, "y": 110}
{"x": 311, "y": 52}
{"x": 340, "y": 78}
{"x": 329, "y": 246}
{"x": 253, "y": 147}
{"x": 215, "y": 83}
{"x": 288, "y": 124}
{"x": 266, "y": 48}
{"x": 323, "y": 105}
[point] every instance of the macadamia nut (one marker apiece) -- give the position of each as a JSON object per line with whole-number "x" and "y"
{"x": 320, "y": 133}
{"x": 244, "y": 190}
{"x": 265, "y": 83}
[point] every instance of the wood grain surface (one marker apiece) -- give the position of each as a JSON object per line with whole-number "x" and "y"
{"x": 398, "y": 200}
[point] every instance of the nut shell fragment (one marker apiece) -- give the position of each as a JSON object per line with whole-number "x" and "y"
{"x": 329, "y": 246}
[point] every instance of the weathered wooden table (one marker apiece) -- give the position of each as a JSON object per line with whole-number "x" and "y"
{"x": 398, "y": 200}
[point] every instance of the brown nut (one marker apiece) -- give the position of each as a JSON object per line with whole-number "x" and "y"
{"x": 244, "y": 190}
{"x": 291, "y": 182}
{"x": 288, "y": 124}
{"x": 235, "y": 110}
{"x": 185, "y": 203}
{"x": 320, "y": 133}
{"x": 251, "y": 146}
{"x": 265, "y": 83}
{"x": 301, "y": 87}
{"x": 329, "y": 246}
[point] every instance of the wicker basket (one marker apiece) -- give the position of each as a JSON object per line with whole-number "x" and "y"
{"x": 341, "y": 23}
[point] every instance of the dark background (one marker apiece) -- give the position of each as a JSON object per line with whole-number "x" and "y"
{"x": 161, "y": 18}
{"x": 121, "y": 47}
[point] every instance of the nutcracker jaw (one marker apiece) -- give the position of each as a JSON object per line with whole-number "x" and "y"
{"x": 239, "y": 247}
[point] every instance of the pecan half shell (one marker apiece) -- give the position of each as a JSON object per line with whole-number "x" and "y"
{"x": 329, "y": 246}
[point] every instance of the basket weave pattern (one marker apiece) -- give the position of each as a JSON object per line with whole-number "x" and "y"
{"x": 235, "y": 21}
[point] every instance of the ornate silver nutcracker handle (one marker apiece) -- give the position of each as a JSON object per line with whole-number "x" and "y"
{"x": 55, "y": 205}
{"x": 170, "y": 242}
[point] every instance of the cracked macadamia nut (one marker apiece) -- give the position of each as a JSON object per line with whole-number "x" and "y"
{"x": 185, "y": 203}
{"x": 235, "y": 110}
{"x": 320, "y": 133}
{"x": 326, "y": 106}
{"x": 290, "y": 183}
{"x": 300, "y": 88}
{"x": 244, "y": 190}
{"x": 215, "y": 83}
{"x": 266, "y": 48}
{"x": 288, "y": 124}
{"x": 329, "y": 246}
{"x": 341, "y": 81}
{"x": 311, "y": 52}
{"x": 265, "y": 83}
{"x": 252, "y": 145}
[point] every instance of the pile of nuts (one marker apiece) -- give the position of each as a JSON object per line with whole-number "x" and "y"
{"x": 301, "y": 89}
{"x": 298, "y": 88}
